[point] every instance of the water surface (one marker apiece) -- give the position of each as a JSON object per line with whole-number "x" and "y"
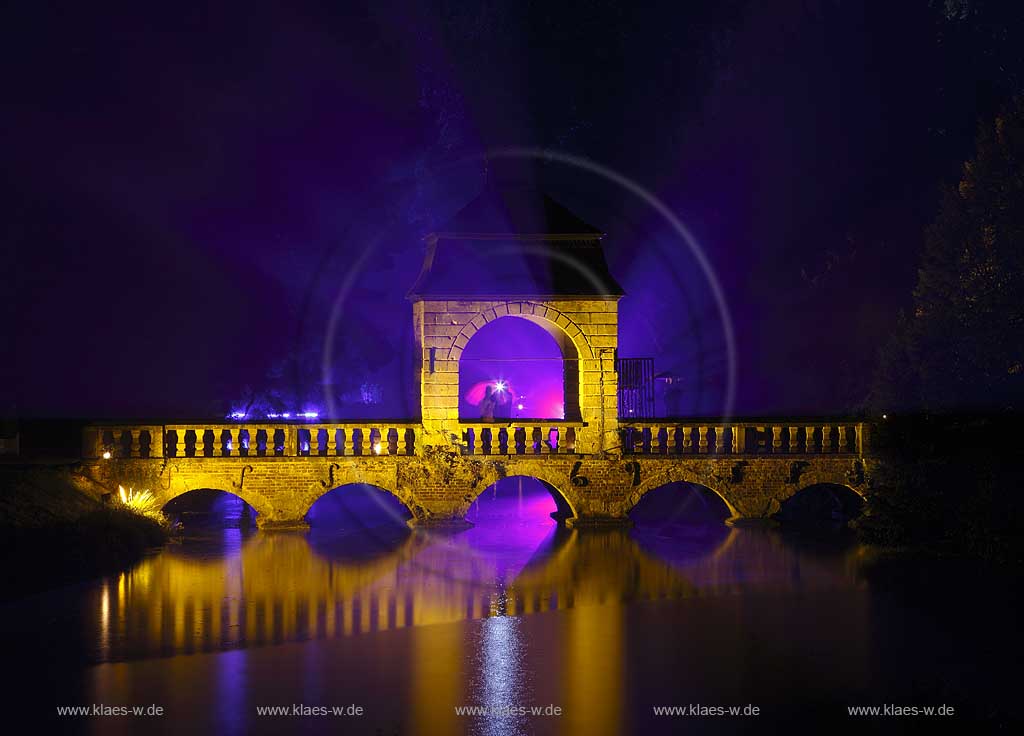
{"x": 512, "y": 613}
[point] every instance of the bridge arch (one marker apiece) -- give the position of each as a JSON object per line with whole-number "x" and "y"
{"x": 392, "y": 496}
{"x": 818, "y": 503}
{"x": 564, "y": 507}
{"x": 816, "y": 477}
{"x": 676, "y": 475}
{"x": 168, "y": 500}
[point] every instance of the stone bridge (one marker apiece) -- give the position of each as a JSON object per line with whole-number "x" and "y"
{"x": 531, "y": 261}
{"x": 282, "y": 469}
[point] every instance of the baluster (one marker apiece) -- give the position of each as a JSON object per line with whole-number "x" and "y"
{"x": 841, "y": 435}
{"x": 220, "y": 446}
{"x": 552, "y": 445}
{"x": 826, "y": 438}
{"x": 535, "y": 435}
{"x": 687, "y": 440}
{"x": 656, "y": 440}
{"x": 793, "y": 441}
{"x": 133, "y": 442}
{"x": 570, "y": 439}
{"x": 702, "y": 439}
{"x": 762, "y": 441}
{"x": 862, "y": 438}
{"x": 776, "y": 439}
{"x": 671, "y": 439}
{"x": 153, "y": 450}
{"x": 737, "y": 439}
{"x": 351, "y": 447}
{"x": 519, "y": 436}
{"x": 332, "y": 441}
{"x": 809, "y": 440}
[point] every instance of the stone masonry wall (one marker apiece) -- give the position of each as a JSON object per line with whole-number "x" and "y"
{"x": 586, "y": 328}
{"x": 440, "y": 485}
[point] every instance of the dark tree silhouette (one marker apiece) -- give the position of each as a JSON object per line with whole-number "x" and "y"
{"x": 963, "y": 345}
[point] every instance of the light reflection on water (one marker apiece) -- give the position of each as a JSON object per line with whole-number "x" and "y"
{"x": 257, "y": 589}
{"x": 514, "y": 612}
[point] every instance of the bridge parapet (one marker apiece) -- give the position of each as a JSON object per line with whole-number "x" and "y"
{"x": 373, "y": 438}
{"x": 789, "y": 437}
{"x": 523, "y": 437}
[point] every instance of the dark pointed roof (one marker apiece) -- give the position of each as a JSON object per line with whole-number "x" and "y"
{"x": 518, "y": 210}
{"x": 515, "y": 241}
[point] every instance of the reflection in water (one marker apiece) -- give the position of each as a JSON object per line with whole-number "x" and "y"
{"x": 514, "y": 612}
{"x": 250, "y": 590}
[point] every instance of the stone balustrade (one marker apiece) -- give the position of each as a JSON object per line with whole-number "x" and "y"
{"x": 251, "y": 440}
{"x": 743, "y": 438}
{"x": 123, "y": 441}
{"x": 521, "y": 437}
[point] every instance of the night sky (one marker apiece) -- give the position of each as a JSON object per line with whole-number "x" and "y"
{"x": 187, "y": 192}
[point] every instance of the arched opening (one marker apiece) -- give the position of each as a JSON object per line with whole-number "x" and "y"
{"x": 519, "y": 501}
{"x": 821, "y": 507}
{"x": 515, "y": 522}
{"x": 210, "y": 509}
{"x": 356, "y": 508}
{"x": 519, "y": 368}
{"x": 680, "y": 521}
{"x": 679, "y": 503}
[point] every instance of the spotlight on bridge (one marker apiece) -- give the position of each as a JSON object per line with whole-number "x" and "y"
{"x": 107, "y": 455}
{"x": 499, "y": 385}
{"x": 377, "y": 448}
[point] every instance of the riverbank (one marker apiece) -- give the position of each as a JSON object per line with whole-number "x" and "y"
{"x": 56, "y": 529}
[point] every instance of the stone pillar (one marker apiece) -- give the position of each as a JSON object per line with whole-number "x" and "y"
{"x": 776, "y": 439}
{"x": 793, "y": 440}
{"x": 702, "y": 439}
{"x": 841, "y": 430}
{"x": 809, "y": 446}
{"x": 332, "y": 441}
{"x": 826, "y": 438}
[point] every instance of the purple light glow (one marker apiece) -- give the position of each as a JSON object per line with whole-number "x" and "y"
{"x": 516, "y": 358}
